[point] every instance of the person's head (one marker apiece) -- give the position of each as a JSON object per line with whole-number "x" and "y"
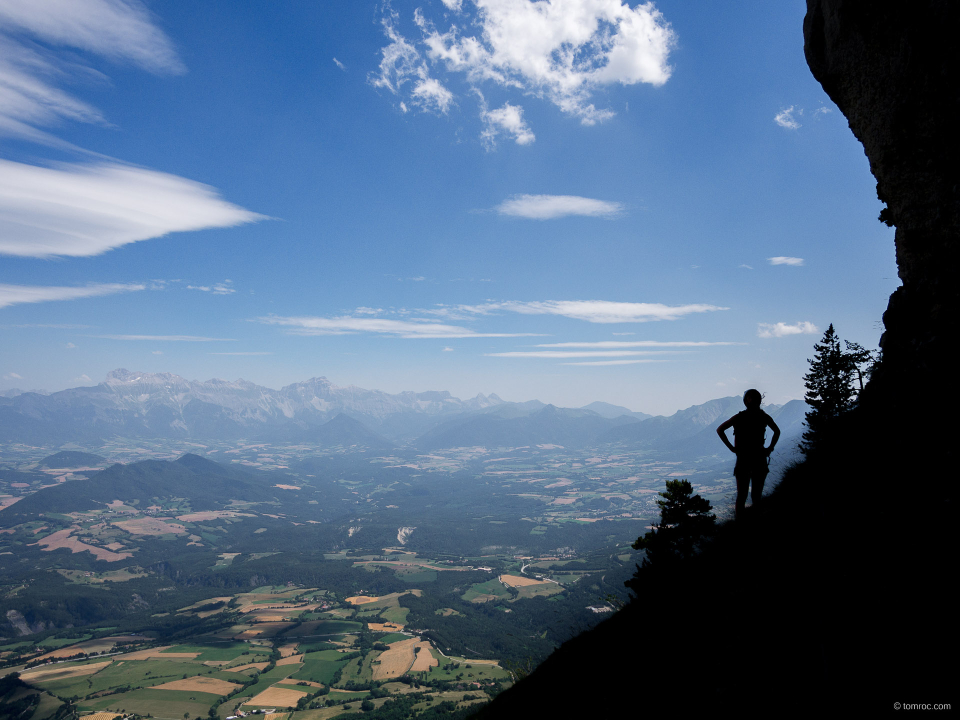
{"x": 752, "y": 398}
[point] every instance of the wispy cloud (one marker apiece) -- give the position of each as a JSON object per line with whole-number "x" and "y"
{"x": 785, "y": 260}
{"x": 594, "y": 311}
{"x": 339, "y": 64}
{"x": 560, "y": 51}
{"x": 166, "y": 338}
{"x": 348, "y": 325}
{"x": 19, "y": 294}
{"x": 224, "y": 288}
{"x": 613, "y": 362}
{"x": 612, "y": 344}
{"x": 579, "y": 354}
{"x": 780, "y": 329}
{"x": 121, "y": 30}
{"x": 785, "y": 118}
{"x": 550, "y": 207}
{"x": 402, "y": 64}
{"x": 84, "y": 210}
{"x": 12, "y": 376}
{"x": 243, "y": 354}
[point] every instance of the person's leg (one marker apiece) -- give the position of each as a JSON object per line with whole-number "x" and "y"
{"x": 759, "y": 478}
{"x": 743, "y": 484}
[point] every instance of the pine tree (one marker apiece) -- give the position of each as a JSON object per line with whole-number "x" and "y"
{"x": 833, "y": 383}
{"x": 684, "y": 519}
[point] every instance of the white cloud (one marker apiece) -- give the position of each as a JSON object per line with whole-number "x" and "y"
{"x": 595, "y": 311}
{"x": 244, "y": 354}
{"x": 635, "y": 344}
{"x": 19, "y": 294}
{"x": 82, "y": 378}
{"x": 447, "y": 349}
{"x": 84, "y": 210}
{"x": 12, "y": 376}
{"x": 785, "y": 119}
{"x": 780, "y": 329}
{"x": 560, "y": 50}
{"x": 157, "y": 352}
{"x": 746, "y": 267}
{"x": 612, "y": 362}
{"x": 578, "y": 353}
{"x": 223, "y": 288}
{"x": 549, "y": 207}
{"x": 121, "y": 30}
{"x": 507, "y": 120}
{"x": 70, "y": 346}
{"x": 339, "y": 64}
{"x": 166, "y": 338}
{"x": 821, "y": 111}
{"x": 348, "y": 325}
{"x": 784, "y": 260}
{"x": 401, "y": 63}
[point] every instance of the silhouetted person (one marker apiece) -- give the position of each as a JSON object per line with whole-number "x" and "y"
{"x": 749, "y": 427}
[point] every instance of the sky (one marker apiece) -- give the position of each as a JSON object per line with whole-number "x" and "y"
{"x": 650, "y": 205}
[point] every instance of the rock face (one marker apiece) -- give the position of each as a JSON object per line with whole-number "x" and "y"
{"x": 893, "y": 71}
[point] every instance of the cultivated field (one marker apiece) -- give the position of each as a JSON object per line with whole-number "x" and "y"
{"x": 200, "y": 683}
{"x": 62, "y": 539}
{"x": 62, "y": 673}
{"x": 397, "y": 660}
{"x": 276, "y": 697}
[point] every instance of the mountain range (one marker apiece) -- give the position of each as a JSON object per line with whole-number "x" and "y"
{"x": 163, "y": 405}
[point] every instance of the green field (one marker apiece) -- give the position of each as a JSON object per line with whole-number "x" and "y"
{"x": 490, "y": 587}
{"x": 162, "y": 704}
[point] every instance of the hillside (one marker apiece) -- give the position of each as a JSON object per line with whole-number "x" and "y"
{"x": 207, "y": 484}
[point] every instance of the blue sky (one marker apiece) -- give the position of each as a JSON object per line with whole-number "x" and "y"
{"x": 650, "y": 205}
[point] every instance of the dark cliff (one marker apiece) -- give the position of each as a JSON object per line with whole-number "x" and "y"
{"x": 893, "y": 71}
{"x": 835, "y": 595}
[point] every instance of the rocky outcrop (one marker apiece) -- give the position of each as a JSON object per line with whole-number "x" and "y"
{"x": 893, "y": 71}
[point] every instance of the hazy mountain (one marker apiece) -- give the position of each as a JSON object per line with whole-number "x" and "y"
{"x": 207, "y": 484}
{"x": 550, "y": 425}
{"x": 613, "y": 411}
{"x": 344, "y": 431}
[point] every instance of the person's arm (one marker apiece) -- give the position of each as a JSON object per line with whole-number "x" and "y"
{"x": 776, "y": 434}
{"x": 722, "y": 432}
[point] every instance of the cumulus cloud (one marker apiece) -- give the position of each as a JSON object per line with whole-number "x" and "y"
{"x": 19, "y": 294}
{"x": 84, "y": 210}
{"x": 784, "y": 260}
{"x": 780, "y": 329}
{"x": 559, "y": 50}
{"x": 349, "y": 325}
{"x": 121, "y": 30}
{"x": 507, "y": 120}
{"x": 550, "y": 207}
{"x": 166, "y": 338}
{"x": 785, "y": 118}
{"x": 594, "y": 311}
